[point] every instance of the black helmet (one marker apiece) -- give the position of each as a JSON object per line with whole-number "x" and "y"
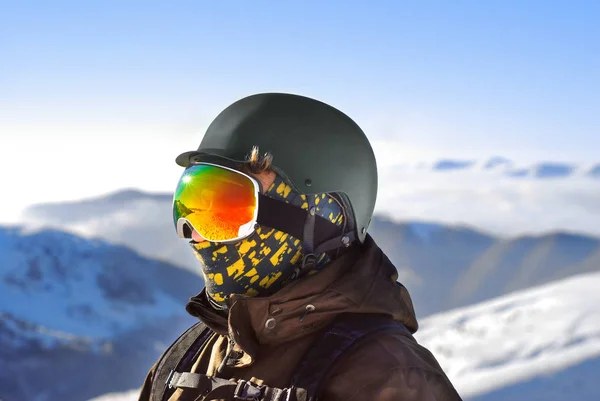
{"x": 317, "y": 147}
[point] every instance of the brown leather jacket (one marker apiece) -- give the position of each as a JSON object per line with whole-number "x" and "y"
{"x": 387, "y": 367}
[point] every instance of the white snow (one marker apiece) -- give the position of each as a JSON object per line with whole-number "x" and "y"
{"x": 515, "y": 338}
{"x": 131, "y": 395}
{"x": 67, "y": 298}
{"x": 142, "y": 222}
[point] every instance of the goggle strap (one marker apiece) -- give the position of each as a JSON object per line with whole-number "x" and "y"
{"x": 308, "y": 241}
{"x": 291, "y": 219}
{"x": 308, "y": 237}
{"x": 334, "y": 243}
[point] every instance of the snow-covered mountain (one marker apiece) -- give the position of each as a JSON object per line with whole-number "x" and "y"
{"x": 442, "y": 266}
{"x": 492, "y": 166}
{"x": 594, "y": 171}
{"x": 510, "y": 168}
{"x": 541, "y": 170}
{"x": 137, "y": 219}
{"x": 131, "y": 395}
{"x": 538, "y": 344}
{"x": 542, "y": 344}
{"x": 78, "y": 308}
{"x": 446, "y": 267}
{"x": 70, "y": 305}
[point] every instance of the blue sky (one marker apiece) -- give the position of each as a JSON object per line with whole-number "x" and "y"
{"x": 100, "y": 80}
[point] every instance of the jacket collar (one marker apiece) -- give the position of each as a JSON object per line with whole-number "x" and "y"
{"x": 361, "y": 281}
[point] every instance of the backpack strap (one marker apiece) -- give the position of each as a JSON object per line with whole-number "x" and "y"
{"x": 178, "y": 355}
{"x": 214, "y": 388}
{"x": 347, "y": 333}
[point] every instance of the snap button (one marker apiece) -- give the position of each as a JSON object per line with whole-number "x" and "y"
{"x": 270, "y": 323}
{"x": 309, "y": 308}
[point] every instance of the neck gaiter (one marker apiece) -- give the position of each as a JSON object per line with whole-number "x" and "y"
{"x": 264, "y": 262}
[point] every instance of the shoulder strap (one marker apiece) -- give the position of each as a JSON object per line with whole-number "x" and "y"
{"x": 347, "y": 333}
{"x": 214, "y": 388}
{"x": 179, "y": 354}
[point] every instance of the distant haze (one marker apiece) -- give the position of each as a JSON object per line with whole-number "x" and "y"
{"x": 498, "y": 195}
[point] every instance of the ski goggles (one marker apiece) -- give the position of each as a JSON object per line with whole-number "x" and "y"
{"x": 220, "y": 203}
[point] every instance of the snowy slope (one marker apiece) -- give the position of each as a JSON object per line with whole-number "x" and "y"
{"x": 540, "y": 344}
{"x": 131, "y": 395}
{"x": 139, "y": 220}
{"x": 85, "y": 287}
{"x": 445, "y": 267}
{"x": 530, "y": 340}
{"x": 73, "y": 307}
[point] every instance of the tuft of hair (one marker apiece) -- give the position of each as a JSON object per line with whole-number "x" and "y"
{"x": 257, "y": 163}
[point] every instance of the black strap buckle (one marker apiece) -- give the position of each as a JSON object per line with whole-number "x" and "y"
{"x": 309, "y": 262}
{"x": 247, "y": 391}
{"x": 288, "y": 393}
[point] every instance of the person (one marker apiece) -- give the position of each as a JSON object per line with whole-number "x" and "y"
{"x": 299, "y": 302}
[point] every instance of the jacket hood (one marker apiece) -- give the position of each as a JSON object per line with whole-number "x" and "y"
{"x": 363, "y": 280}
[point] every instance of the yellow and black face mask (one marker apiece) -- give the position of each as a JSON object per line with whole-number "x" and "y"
{"x": 265, "y": 261}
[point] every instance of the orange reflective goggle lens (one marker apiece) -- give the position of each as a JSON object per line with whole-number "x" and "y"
{"x": 221, "y": 204}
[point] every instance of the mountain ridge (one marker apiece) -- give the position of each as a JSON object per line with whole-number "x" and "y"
{"x": 443, "y": 266}
{"x": 70, "y": 305}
